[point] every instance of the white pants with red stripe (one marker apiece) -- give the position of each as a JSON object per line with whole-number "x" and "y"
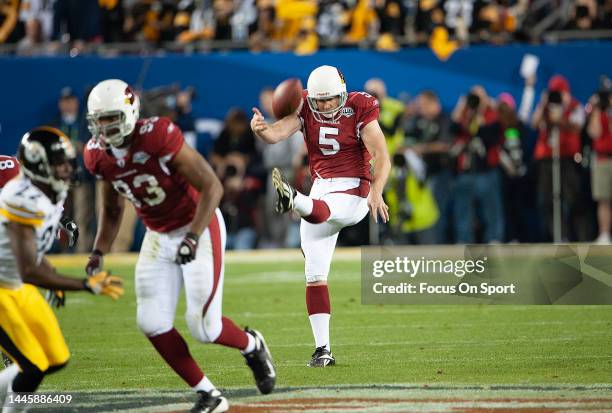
{"x": 159, "y": 280}
{"x": 319, "y": 240}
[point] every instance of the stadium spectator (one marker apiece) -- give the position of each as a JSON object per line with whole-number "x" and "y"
{"x": 390, "y": 121}
{"x": 37, "y": 16}
{"x": 290, "y": 17}
{"x": 284, "y": 155}
{"x": 222, "y": 14}
{"x": 238, "y": 165}
{"x": 605, "y": 13}
{"x": 9, "y": 21}
{"x": 412, "y": 208}
{"x": 71, "y": 121}
{"x": 333, "y": 20}
{"x": 428, "y": 135}
{"x": 428, "y": 16}
{"x": 391, "y": 113}
{"x": 583, "y": 15}
{"x": 559, "y": 118}
{"x": 494, "y": 23}
{"x": 307, "y": 40}
{"x": 478, "y": 184}
{"x": 458, "y": 16}
{"x": 77, "y": 22}
{"x": 263, "y": 30}
{"x": 183, "y": 115}
{"x": 112, "y": 15}
{"x": 391, "y": 15}
{"x": 599, "y": 128}
{"x": 361, "y": 22}
{"x": 511, "y": 132}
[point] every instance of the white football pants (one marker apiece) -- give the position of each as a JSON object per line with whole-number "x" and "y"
{"x": 159, "y": 280}
{"x": 319, "y": 240}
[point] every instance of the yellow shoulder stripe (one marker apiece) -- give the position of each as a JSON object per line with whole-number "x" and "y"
{"x": 21, "y": 209}
{"x": 34, "y": 222}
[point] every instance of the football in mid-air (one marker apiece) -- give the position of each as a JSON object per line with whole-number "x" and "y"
{"x": 287, "y": 97}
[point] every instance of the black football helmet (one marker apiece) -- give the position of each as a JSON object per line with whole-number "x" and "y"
{"x": 43, "y": 148}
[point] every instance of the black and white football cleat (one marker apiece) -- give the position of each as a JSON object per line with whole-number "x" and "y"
{"x": 210, "y": 402}
{"x": 261, "y": 364}
{"x": 321, "y": 357}
{"x": 285, "y": 192}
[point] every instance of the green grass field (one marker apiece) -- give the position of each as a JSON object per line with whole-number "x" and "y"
{"x": 426, "y": 346}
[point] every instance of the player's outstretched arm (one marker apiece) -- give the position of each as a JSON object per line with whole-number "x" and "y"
{"x": 274, "y": 132}
{"x": 201, "y": 176}
{"x": 374, "y": 141}
{"x": 42, "y": 274}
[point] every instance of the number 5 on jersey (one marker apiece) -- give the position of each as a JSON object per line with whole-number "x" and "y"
{"x": 324, "y": 140}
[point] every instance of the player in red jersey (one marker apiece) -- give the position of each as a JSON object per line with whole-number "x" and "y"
{"x": 176, "y": 194}
{"x": 342, "y": 135}
{"x": 9, "y": 168}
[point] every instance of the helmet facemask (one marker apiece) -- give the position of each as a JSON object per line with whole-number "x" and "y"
{"x": 40, "y": 164}
{"x": 109, "y": 133}
{"x": 331, "y": 115}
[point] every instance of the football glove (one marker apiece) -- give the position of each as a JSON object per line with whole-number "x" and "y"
{"x": 56, "y": 298}
{"x": 70, "y": 228}
{"x": 94, "y": 265}
{"x": 187, "y": 250}
{"x": 103, "y": 283}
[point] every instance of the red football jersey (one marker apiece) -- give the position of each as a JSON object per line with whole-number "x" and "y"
{"x": 335, "y": 149}
{"x": 163, "y": 198}
{"x": 9, "y": 168}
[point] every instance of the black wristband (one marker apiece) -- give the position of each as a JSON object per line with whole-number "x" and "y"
{"x": 192, "y": 236}
{"x": 97, "y": 252}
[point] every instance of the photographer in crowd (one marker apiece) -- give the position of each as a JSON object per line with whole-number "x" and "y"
{"x": 478, "y": 182}
{"x": 427, "y": 134}
{"x": 599, "y": 129}
{"x": 559, "y": 118}
{"x": 510, "y": 132}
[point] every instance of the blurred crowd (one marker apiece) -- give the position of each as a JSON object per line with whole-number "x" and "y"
{"x": 496, "y": 169}
{"x": 51, "y": 26}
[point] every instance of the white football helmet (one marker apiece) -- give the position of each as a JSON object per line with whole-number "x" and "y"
{"x": 323, "y": 83}
{"x": 113, "y": 99}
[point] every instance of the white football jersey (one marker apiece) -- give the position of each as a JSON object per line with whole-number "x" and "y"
{"x": 22, "y": 202}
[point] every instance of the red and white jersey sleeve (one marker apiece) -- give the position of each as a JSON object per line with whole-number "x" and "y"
{"x": 163, "y": 198}
{"x": 335, "y": 148}
{"x": 9, "y": 168}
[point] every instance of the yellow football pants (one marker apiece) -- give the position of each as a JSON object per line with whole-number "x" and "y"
{"x": 29, "y": 332}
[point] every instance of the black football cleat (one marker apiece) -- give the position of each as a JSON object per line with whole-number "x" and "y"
{"x": 210, "y": 402}
{"x": 261, "y": 364}
{"x": 285, "y": 192}
{"x": 322, "y": 357}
